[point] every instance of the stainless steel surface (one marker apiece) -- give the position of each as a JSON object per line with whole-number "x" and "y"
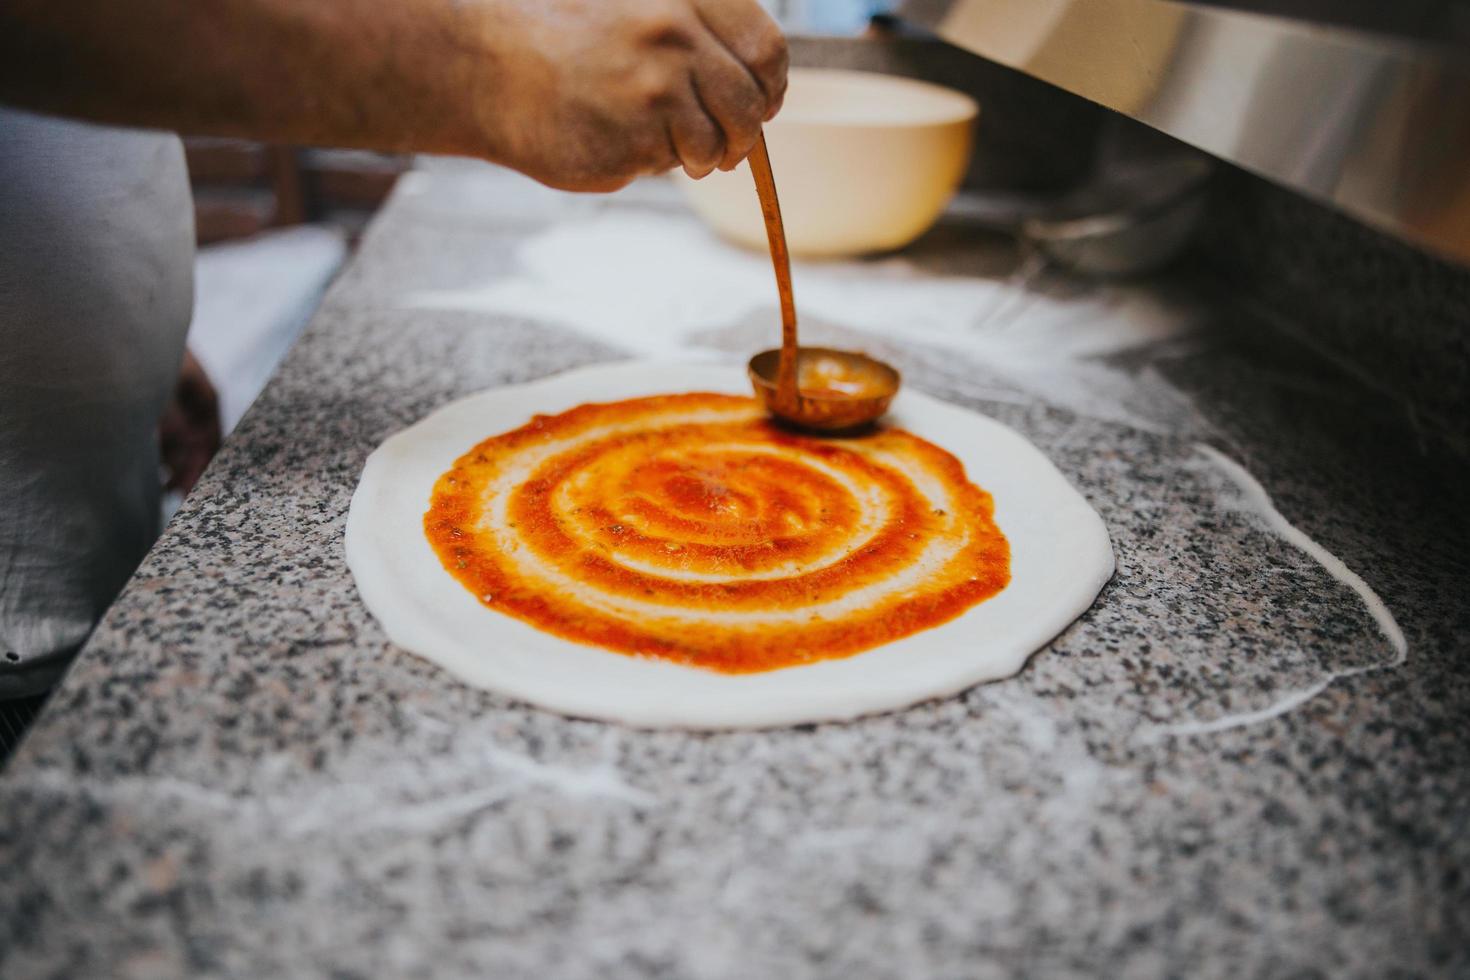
{"x": 1377, "y": 126}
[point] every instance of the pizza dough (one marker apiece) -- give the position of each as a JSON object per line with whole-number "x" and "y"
{"x": 1060, "y": 558}
{"x": 693, "y": 529}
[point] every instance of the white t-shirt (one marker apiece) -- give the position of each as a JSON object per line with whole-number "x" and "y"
{"x": 96, "y": 288}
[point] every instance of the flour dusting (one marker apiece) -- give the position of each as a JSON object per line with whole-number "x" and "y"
{"x": 640, "y": 275}
{"x": 650, "y": 282}
{"x": 1255, "y": 499}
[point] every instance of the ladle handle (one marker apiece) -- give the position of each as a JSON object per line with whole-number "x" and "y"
{"x": 765, "y": 187}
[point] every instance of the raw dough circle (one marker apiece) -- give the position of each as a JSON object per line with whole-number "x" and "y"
{"x": 1060, "y": 559}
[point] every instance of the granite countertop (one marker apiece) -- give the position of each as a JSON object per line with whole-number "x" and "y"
{"x": 1225, "y": 767}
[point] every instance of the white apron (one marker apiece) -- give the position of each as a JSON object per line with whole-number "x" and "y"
{"x": 96, "y": 287}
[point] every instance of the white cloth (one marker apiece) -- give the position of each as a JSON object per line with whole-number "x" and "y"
{"x": 96, "y": 287}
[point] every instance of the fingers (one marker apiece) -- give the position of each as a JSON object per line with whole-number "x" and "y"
{"x": 754, "y": 40}
{"x": 731, "y": 96}
{"x": 699, "y": 141}
{"x": 731, "y": 78}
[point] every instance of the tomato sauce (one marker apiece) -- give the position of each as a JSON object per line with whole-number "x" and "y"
{"x": 689, "y": 529}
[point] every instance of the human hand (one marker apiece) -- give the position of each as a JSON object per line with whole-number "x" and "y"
{"x": 590, "y": 94}
{"x": 189, "y": 430}
{"x": 579, "y": 94}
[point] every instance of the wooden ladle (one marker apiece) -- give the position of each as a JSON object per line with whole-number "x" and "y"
{"x": 810, "y": 387}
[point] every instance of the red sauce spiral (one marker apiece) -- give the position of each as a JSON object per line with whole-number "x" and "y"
{"x": 689, "y": 528}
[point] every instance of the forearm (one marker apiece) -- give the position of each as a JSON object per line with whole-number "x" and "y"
{"x": 579, "y": 94}
{"x": 386, "y": 74}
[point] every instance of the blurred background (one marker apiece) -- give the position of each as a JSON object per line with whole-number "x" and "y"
{"x": 275, "y": 223}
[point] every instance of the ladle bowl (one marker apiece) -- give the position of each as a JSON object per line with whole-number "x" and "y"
{"x": 836, "y": 390}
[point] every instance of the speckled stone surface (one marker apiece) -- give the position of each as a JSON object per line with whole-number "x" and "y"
{"x": 1397, "y": 314}
{"x": 241, "y": 777}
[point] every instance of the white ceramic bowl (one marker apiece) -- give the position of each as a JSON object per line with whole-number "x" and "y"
{"x": 863, "y": 163}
